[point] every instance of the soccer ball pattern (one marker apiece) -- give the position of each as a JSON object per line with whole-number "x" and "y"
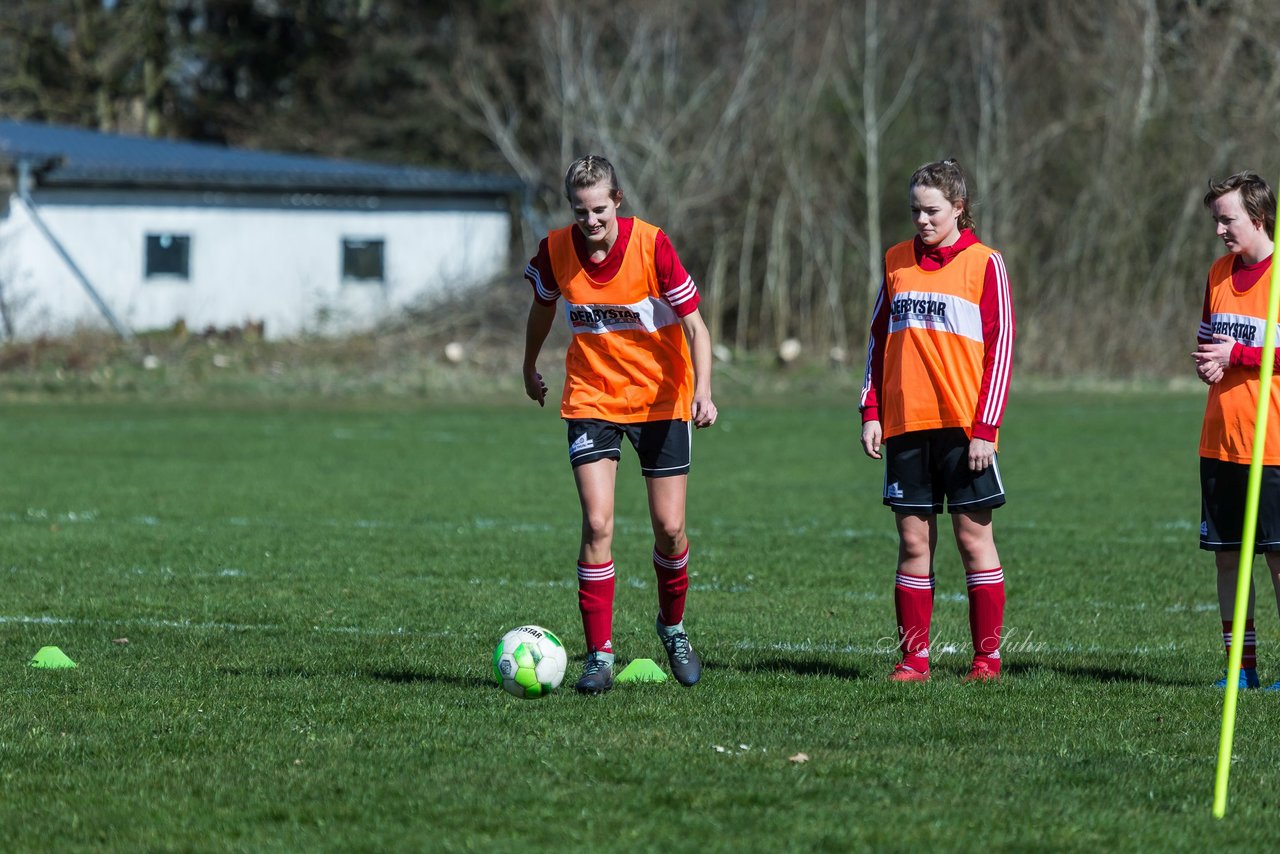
{"x": 529, "y": 662}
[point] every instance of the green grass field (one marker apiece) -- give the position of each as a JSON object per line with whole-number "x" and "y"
{"x": 310, "y": 596}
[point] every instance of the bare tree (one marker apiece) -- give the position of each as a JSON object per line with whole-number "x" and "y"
{"x": 870, "y": 110}
{"x": 772, "y": 139}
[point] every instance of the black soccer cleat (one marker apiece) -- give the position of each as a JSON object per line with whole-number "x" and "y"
{"x": 597, "y": 677}
{"x": 685, "y": 664}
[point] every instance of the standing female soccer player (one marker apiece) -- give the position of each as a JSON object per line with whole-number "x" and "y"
{"x": 638, "y": 365}
{"x": 936, "y": 384}
{"x": 1229, "y": 358}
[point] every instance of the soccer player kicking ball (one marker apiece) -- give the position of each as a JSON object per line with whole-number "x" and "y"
{"x": 936, "y": 383}
{"x": 1229, "y": 358}
{"x": 639, "y": 366}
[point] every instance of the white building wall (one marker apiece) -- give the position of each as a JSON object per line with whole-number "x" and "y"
{"x": 275, "y": 258}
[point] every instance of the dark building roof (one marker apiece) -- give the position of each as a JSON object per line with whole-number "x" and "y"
{"x": 83, "y": 158}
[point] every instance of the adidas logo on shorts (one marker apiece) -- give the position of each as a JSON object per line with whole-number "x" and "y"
{"x": 581, "y": 443}
{"x": 893, "y": 490}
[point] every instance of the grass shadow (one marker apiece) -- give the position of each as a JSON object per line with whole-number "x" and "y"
{"x": 797, "y": 667}
{"x": 392, "y": 676}
{"x": 275, "y": 672}
{"x": 1099, "y": 673}
{"x": 413, "y": 677}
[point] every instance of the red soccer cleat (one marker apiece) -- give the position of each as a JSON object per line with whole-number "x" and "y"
{"x": 904, "y": 673}
{"x": 983, "y": 670}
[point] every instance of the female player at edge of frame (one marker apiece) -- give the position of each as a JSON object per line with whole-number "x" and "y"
{"x": 936, "y": 384}
{"x": 638, "y": 364}
{"x": 1228, "y": 359}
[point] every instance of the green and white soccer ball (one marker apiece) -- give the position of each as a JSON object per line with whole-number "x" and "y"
{"x": 529, "y": 662}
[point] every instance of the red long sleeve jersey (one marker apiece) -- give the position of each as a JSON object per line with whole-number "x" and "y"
{"x": 996, "y": 319}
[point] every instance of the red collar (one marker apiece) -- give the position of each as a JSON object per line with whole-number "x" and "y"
{"x": 611, "y": 262}
{"x": 940, "y": 256}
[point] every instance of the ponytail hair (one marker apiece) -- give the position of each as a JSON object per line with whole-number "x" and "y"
{"x": 588, "y": 171}
{"x": 947, "y": 177}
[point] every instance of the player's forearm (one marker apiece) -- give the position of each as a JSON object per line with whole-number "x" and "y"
{"x": 537, "y": 328}
{"x": 1250, "y": 357}
{"x": 699, "y": 351}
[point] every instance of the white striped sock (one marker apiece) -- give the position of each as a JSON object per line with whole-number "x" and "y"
{"x": 673, "y": 563}
{"x": 984, "y": 576}
{"x": 914, "y": 582}
{"x": 595, "y": 573}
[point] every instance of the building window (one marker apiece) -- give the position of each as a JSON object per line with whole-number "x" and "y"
{"x": 169, "y": 255}
{"x": 362, "y": 260}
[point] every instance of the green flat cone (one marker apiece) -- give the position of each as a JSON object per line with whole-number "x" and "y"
{"x": 641, "y": 670}
{"x": 51, "y": 658}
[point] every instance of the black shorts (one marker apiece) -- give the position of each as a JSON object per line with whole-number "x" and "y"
{"x": 924, "y": 466}
{"x": 1223, "y": 489}
{"x": 664, "y": 447}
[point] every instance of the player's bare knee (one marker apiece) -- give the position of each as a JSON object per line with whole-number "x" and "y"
{"x": 973, "y": 551}
{"x": 915, "y": 559}
{"x": 1273, "y": 565}
{"x": 669, "y": 538}
{"x": 597, "y": 530}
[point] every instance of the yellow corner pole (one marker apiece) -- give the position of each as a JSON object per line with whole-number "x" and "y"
{"x": 1248, "y": 538}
